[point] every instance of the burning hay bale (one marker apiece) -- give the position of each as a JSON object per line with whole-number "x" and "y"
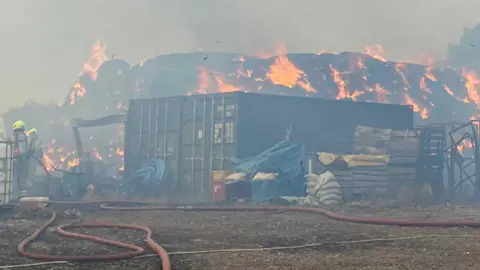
{"x": 106, "y": 85}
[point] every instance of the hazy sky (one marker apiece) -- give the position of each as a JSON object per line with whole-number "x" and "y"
{"x": 44, "y": 43}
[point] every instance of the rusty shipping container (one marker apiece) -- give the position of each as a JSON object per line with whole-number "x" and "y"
{"x": 199, "y": 134}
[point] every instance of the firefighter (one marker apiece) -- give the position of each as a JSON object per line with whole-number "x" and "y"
{"x": 20, "y": 142}
{"x": 35, "y": 150}
{"x": 34, "y": 143}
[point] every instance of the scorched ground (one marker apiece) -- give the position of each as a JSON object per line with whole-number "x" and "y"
{"x": 178, "y": 231}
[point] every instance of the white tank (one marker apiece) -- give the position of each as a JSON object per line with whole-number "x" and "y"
{"x": 32, "y": 203}
{"x": 5, "y": 179}
{"x": 2, "y": 127}
{"x": 3, "y": 148}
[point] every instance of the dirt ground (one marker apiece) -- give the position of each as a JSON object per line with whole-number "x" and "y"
{"x": 455, "y": 248}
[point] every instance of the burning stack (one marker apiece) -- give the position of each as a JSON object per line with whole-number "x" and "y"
{"x": 106, "y": 85}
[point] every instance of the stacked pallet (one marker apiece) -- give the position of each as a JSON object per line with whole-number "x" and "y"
{"x": 383, "y": 162}
{"x": 403, "y": 147}
{"x": 371, "y": 141}
{"x": 371, "y": 179}
{"x": 345, "y": 180}
{"x": 402, "y": 170}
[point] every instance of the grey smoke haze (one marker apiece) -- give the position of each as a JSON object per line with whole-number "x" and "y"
{"x": 45, "y": 42}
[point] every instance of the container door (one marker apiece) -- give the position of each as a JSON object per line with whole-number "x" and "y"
{"x": 224, "y": 129}
{"x": 208, "y": 142}
{"x": 152, "y": 132}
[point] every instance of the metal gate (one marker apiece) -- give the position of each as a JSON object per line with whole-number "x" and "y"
{"x": 6, "y": 171}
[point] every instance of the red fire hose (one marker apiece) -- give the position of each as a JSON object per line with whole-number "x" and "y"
{"x": 166, "y": 265}
{"x": 136, "y": 250}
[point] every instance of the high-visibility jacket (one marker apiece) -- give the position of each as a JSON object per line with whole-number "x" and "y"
{"x": 20, "y": 140}
{"x": 34, "y": 143}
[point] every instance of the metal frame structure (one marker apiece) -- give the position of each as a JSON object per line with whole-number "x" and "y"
{"x": 462, "y": 167}
{"x": 468, "y": 167}
{"x": 6, "y": 170}
{"x": 431, "y": 158}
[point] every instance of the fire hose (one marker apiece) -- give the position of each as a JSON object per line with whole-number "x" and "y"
{"x": 166, "y": 265}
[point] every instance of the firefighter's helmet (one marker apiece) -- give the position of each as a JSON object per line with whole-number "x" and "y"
{"x": 32, "y": 131}
{"x": 18, "y": 125}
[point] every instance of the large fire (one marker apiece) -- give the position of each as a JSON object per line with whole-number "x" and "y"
{"x": 57, "y": 156}
{"x": 283, "y": 72}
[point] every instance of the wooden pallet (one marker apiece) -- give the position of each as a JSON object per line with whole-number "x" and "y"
{"x": 370, "y": 178}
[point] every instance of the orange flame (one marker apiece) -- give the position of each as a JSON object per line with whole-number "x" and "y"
{"x": 357, "y": 64}
{"x": 240, "y": 72}
{"x": 202, "y": 81}
{"x": 423, "y": 86}
{"x": 472, "y": 83}
{"x": 96, "y": 154}
{"x": 119, "y": 152}
{"x": 48, "y": 162}
{"x": 400, "y": 68}
{"x": 341, "y": 85}
{"x": 73, "y": 163}
{"x": 284, "y": 72}
{"x": 97, "y": 58}
{"x": 416, "y": 107}
{"x": 225, "y": 87}
{"x": 464, "y": 144}
{"x": 429, "y": 74}
{"x": 343, "y": 92}
{"x": 239, "y": 59}
{"x": 380, "y": 93}
{"x": 375, "y": 51}
{"x": 448, "y": 90}
{"x": 77, "y": 91}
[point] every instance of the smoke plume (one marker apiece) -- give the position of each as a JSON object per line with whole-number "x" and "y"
{"x": 44, "y": 42}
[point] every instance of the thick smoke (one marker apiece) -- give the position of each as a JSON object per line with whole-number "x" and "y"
{"x": 466, "y": 53}
{"x": 43, "y": 42}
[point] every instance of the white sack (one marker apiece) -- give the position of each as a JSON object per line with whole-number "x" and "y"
{"x": 260, "y": 176}
{"x": 237, "y": 177}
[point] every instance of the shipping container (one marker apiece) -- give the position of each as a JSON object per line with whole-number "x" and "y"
{"x": 199, "y": 134}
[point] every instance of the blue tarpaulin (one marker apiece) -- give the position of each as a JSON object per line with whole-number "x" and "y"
{"x": 149, "y": 177}
{"x": 285, "y": 158}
